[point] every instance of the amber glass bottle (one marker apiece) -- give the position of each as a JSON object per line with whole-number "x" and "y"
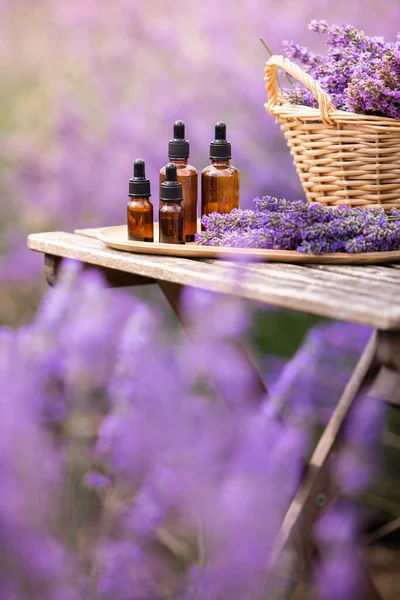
{"x": 171, "y": 212}
{"x": 220, "y": 182}
{"x": 178, "y": 154}
{"x": 140, "y": 209}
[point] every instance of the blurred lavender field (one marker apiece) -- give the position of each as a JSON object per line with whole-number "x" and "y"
{"x": 88, "y": 86}
{"x": 147, "y": 469}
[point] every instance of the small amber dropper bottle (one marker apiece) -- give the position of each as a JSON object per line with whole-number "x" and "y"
{"x": 140, "y": 209}
{"x": 178, "y": 154}
{"x": 220, "y": 182}
{"x": 171, "y": 212}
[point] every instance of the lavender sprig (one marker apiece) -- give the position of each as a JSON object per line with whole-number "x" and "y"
{"x": 282, "y": 224}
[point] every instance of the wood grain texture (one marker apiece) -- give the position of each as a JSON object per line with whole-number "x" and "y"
{"x": 343, "y": 294}
{"x": 116, "y": 237}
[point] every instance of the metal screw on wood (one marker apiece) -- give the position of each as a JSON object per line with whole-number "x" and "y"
{"x": 321, "y": 500}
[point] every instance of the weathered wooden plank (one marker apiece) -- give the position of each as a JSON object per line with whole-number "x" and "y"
{"x": 288, "y": 286}
{"x": 382, "y": 274}
{"x": 330, "y": 280}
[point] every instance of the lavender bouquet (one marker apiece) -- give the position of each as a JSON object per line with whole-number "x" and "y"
{"x": 361, "y": 74}
{"x": 281, "y": 224}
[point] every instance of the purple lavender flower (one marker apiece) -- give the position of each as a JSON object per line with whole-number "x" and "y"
{"x": 360, "y": 73}
{"x": 129, "y": 572}
{"x": 308, "y": 60}
{"x": 298, "y": 225}
{"x": 320, "y": 27}
{"x": 359, "y": 460}
{"x": 97, "y": 481}
{"x": 342, "y": 572}
{"x": 36, "y": 559}
{"x": 338, "y": 577}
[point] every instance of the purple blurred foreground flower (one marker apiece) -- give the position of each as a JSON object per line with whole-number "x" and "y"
{"x": 309, "y": 384}
{"x": 133, "y": 477}
{"x": 359, "y": 460}
{"x": 342, "y": 571}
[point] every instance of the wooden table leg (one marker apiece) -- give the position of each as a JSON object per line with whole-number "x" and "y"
{"x": 112, "y": 277}
{"x": 316, "y": 490}
{"x": 172, "y": 292}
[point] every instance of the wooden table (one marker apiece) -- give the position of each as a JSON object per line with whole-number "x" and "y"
{"x": 368, "y": 295}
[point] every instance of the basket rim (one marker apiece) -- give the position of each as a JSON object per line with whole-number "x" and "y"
{"x": 300, "y": 112}
{"x": 326, "y": 112}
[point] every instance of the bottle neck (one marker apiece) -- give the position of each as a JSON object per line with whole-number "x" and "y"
{"x": 180, "y": 162}
{"x": 168, "y": 201}
{"x": 218, "y": 162}
{"x": 139, "y": 198}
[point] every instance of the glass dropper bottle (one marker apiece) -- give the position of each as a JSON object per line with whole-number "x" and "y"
{"x": 140, "y": 209}
{"x": 178, "y": 154}
{"x": 171, "y": 212}
{"x": 220, "y": 181}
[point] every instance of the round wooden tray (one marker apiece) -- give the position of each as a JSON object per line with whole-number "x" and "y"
{"x": 116, "y": 237}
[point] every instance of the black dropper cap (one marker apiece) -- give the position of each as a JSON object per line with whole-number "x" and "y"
{"x": 170, "y": 189}
{"x": 220, "y": 148}
{"x": 139, "y": 185}
{"x": 178, "y": 148}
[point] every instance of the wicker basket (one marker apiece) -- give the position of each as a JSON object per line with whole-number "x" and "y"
{"x": 340, "y": 157}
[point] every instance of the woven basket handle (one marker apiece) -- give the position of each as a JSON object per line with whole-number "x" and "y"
{"x": 324, "y": 101}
